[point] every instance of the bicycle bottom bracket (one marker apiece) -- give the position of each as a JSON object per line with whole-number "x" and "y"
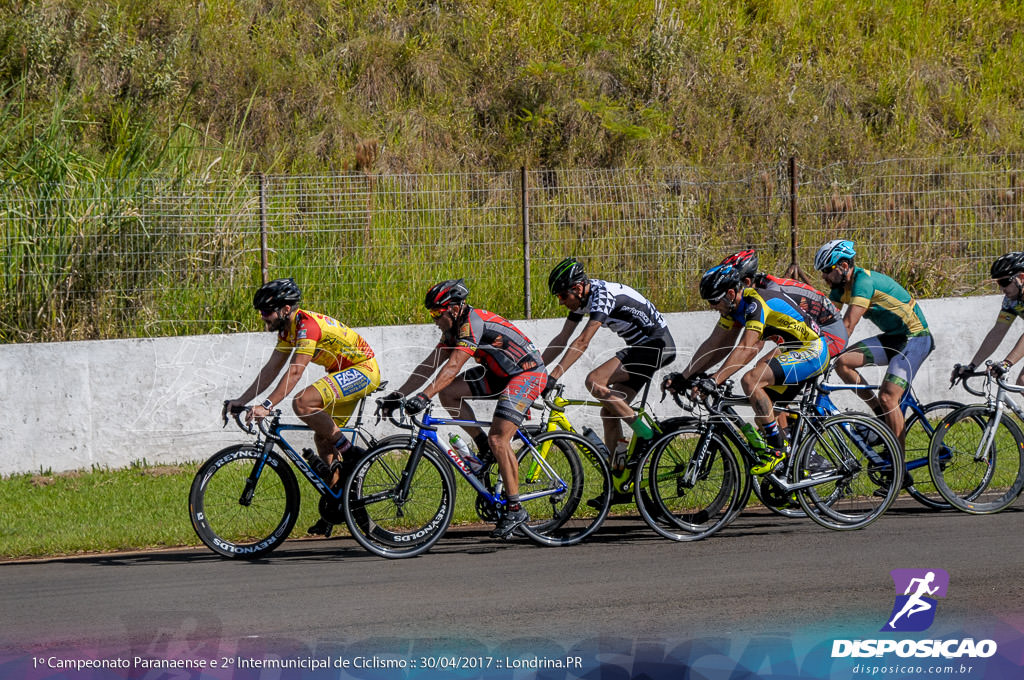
{"x": 332, "y": 510}
{"x": 485, "y": 509}
{"x": 772, "y": 495}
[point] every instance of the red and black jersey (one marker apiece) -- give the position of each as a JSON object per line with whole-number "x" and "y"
{"x": 494, "y": 342}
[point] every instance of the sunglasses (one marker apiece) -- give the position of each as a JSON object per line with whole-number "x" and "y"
{"x": 716, "y": 300}
{"x": 1004, "y": 282}
{"x": 829, "y": 269}
{"x": 436, "y": 313}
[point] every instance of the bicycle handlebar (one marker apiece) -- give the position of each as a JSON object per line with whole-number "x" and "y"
{"x": 390, "y": 415}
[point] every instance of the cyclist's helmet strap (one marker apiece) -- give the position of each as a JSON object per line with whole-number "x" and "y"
{"x": 745, "y": 262}
{"x": 717, "y": 281}
{"x": 1008, "y": 265}
{"x": 565, "y": 275}
{"x": 833, "y": 253}
{"x": 446, "y": 293}
{"x": 275, "y": 294}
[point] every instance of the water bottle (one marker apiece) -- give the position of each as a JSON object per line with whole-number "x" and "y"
{"x": 753, "y": 437}
{"x": 462, "y": 449}
{"x": 318, "y": 464}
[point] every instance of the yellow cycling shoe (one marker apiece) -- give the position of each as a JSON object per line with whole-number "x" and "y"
{"x": 768, "y": 461}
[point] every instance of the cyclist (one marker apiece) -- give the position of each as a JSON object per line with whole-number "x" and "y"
{"x": 752, "y": 316}
{"x": 1008, "y": 272}
{"x": 511, "y": 371}
{"x": 904, "y": 343}
{"x": 649, "y": 346}
{"x": 325, "y": 406}
{"x": 811, "y": 301}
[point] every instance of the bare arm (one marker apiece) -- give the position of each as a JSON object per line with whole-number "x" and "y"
{"x": 266, "y": 376}
{"x": 991, "y": 342}
{"x": 422, "y": 373}
{"x": 558, "y": 343}
{"x": 741, "y": 355}
{"x": 853, "y": 315}
{"x": 456, "y": 360}
{"x": 576, "y": 349}
{"x": 712, "y": 350}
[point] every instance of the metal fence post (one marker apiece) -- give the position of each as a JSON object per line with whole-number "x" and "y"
{"x": 264, "y": 264}
{"x": 794, "y": 271}
{"x": 525, "y": 207}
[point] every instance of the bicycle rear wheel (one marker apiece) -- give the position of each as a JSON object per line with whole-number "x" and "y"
{"x": 692, "y": 499}
{"x": 388, "y": 522}
{"x": 917, "y": 440}
{"x": 972, "y": 477}
{"x": 857, "y": 482}
{"x": 240, "y": 507}
{"x": 564, "y": 484}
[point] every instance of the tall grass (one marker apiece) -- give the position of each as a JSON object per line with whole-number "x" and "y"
{"x": 131, "y": 135}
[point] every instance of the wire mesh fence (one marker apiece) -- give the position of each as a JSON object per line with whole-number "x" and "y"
{"x": 160, "y": 256}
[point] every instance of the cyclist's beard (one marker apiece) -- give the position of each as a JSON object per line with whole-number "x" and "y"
{"x": 279, "y": 324}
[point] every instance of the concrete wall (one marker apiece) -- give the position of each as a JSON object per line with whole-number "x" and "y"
{"x": 108, "y": 403}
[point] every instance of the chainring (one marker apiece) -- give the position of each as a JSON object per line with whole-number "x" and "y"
{"x": 332, "y": 510}
{"x": 773, "y": 496}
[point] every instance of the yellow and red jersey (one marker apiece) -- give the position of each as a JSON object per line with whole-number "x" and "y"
{"x": 329, "y": 342}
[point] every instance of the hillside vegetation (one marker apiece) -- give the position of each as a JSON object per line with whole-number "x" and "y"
{"x": 100, "y": 88}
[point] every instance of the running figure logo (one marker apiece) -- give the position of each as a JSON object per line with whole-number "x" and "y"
{"x": 916, "y": 590}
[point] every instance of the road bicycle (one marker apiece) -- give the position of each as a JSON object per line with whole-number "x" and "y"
{"x": 977, "y": 454}
{"x": 244, "y": 500}
{"x": 400, "y": 497}
{"x": 627, "y": 484}
{"x": 920, "y": 424}
{"x": 845, "y": 469}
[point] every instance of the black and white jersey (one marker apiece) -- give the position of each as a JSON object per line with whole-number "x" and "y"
{"x": 623, "y": 310}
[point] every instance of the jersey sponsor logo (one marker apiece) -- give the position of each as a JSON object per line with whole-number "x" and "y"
{"x": 351, "y": 381}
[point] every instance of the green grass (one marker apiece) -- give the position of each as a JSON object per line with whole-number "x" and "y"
{"x": 140, "y": 507}
{"x": 112, "y": 115}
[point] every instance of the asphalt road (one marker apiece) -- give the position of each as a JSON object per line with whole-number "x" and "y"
{"x": 763, "y": 576}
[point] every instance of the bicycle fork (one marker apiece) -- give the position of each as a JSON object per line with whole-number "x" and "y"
{"x": 249, "y": 490}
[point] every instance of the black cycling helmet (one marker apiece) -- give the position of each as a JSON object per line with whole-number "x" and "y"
{"x": 274, "y": 295}
{"x": 744, "y": 261}
{"x": 717, "y": 281}
{"x": 1007, "y": 265}
{"x": 565, "y": 275}
{"x": 446, "y": 293}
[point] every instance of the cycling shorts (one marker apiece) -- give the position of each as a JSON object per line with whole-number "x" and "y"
{"x": 642, "y": 360}
{"x": 514, "y": 395}
{"x": 902, "y": 355}
{"x": 342, "y": 390}
{"x": 795, "y": 366}
{"x": 835, "y": 336}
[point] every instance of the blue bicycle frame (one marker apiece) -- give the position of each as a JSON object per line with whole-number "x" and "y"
{"x": 427, "y": 431}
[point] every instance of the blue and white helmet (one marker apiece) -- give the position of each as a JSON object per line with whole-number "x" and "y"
{"x": 832, "y": 252}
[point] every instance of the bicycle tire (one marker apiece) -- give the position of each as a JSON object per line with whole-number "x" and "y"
{"x": 557, "y": 492}
{"x": 916, "y": 443}
{"x": 387, "y": 526}
{"x": 690, "y": 504}
{"x": 870, "y": 477}
{"x": 233, "y": 528}
{"x": 969, "y": 483}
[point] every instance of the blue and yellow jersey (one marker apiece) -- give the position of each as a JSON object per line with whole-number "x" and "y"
{"x": 889, "y": 305}
{"x": 1010, "y": 310}
{"x": 774, "y": 316}
{"x": 331, "y": 343}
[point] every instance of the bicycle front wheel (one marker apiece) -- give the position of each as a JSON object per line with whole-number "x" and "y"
{"x": 917, "y": 440}
{"x": 856, "y": 465}
{"x": 977, "y": 468}
{"x": 695, "y": 490}
{"x": 392, "y": 522}
{"x": 564, "y": 484}
{"x": 241, "y": 505}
